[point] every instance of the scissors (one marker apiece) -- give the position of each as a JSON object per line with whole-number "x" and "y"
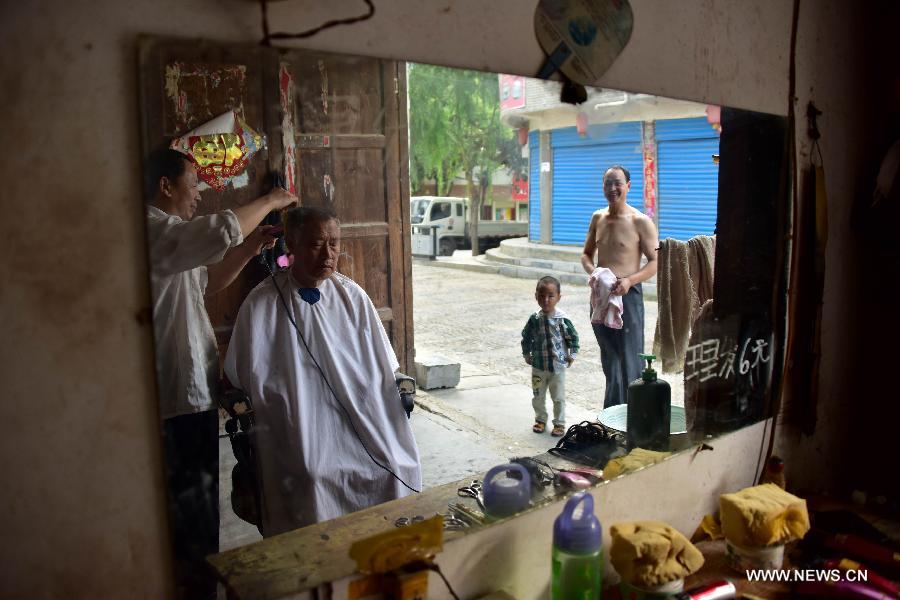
{"x": 454, "y": 523}
{"x": 404, "y": 521}
{"x": 475, "y": 491}
{"x": 464, "y": 513}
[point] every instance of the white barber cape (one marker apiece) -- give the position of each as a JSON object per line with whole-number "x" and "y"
{"x": 312, "y": 465}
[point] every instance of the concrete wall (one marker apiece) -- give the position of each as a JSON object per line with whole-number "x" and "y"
{"x": 83, "y": 512}
{"x": 544, "y": 110}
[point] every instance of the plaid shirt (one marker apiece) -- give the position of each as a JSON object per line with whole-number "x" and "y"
{"x": 548, "y": 340}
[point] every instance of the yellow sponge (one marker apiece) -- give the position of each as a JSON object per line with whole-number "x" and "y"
{"x": 764, "y": 515}
{"x": 650, "y": 553}
{"x": 634, "y": 460}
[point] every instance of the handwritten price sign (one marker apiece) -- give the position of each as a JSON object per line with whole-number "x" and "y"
{"x": 709, "y": 359}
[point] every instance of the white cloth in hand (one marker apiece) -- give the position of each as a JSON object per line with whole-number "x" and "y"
{"x": 606, "y": 308}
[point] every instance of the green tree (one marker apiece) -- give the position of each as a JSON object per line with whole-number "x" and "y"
{"x": 454, "y": 127}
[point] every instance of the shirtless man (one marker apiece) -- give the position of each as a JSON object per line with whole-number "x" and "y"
{"x": 619, "y": 235}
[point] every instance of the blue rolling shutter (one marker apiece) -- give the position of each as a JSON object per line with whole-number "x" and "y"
{"x": 534, "y": 187}
{"x": 688, "y": 178}
{"x": 578, "y": 166}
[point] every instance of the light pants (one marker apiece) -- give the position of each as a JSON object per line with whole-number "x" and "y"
{"x": 556, "y": 381}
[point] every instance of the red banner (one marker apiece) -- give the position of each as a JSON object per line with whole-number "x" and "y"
{"x": 520, "y": 188}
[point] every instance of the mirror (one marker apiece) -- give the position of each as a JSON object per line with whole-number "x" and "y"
{"x": 710, "y": 179}
{"x": 369, "y": 139}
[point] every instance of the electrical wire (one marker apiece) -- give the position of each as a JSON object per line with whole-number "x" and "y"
{"x": 327, "y": 383}
{"x": 420, "y": 565}
{"x": 790, "y": 334}
{"x": 437, "y": 569}
{"x": 816, "y": 150}
{"x": 279, "y": 35}
{"x": 757, "y": 473}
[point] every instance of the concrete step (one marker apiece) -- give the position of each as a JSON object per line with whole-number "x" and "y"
{"x": 497, "y": 255}
{"x": 556, "y": 260}
{"x": 470, "y": 264}
{"x": 519, "y": 258}
{"x": 522, "y": 248}
{"x": 535, "y": 273}
{"x": 526, "y": 271}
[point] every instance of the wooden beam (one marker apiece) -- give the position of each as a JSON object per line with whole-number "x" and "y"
{"x": 361, "y": 230}
{"x": 343, "y": 140}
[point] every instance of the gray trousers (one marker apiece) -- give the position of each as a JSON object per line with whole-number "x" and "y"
{"x": 191, "y": 444}
{"x": 619, "y": 348}
{"x": 555, "y": 381}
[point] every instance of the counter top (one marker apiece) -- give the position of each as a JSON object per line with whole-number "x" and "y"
{"x": 306, "y": 558}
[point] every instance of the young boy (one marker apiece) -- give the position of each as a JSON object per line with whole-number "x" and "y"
{"x": 549, "y": 345}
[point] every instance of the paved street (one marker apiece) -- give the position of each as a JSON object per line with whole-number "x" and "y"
{"x": 476, "y": 319}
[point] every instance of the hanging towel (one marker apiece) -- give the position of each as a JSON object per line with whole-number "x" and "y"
{"x": 606, "y": 308}
{"x": 701, "y": 258}
{"x": 684, "y": 281}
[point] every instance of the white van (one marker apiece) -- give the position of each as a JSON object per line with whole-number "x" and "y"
{"x": 446, "y": 219}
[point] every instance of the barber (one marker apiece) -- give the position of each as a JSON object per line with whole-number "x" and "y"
{"x": 190, "y": 259}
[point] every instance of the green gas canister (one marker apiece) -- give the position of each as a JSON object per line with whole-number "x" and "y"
{"x": 649, "y": 410}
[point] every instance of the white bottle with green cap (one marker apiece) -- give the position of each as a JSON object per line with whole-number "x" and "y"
{"x": 649, "y": 410}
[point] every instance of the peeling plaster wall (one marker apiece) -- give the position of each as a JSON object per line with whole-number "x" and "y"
{"x": 82, "y": 508}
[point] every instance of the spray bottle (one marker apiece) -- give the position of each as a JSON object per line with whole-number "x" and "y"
{"x": 577, "y": 551}
{"x": 649, "y": 410}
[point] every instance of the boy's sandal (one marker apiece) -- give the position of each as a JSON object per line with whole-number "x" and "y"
{"x": 558, "y": 430}
{"x": 538, "y": 427}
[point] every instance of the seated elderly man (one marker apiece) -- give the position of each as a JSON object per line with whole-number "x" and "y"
{"x": 330, "y": 433}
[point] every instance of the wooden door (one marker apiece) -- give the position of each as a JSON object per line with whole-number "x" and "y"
{"x": 185, "y": 83}
{"x": 336, "y": 129}
{"x": 349, "y": 121}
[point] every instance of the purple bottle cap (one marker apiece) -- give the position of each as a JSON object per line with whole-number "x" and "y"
{"x": 576, "y": 529}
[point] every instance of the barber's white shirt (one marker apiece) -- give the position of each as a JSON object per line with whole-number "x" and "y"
{"x": 187, "y": 364}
